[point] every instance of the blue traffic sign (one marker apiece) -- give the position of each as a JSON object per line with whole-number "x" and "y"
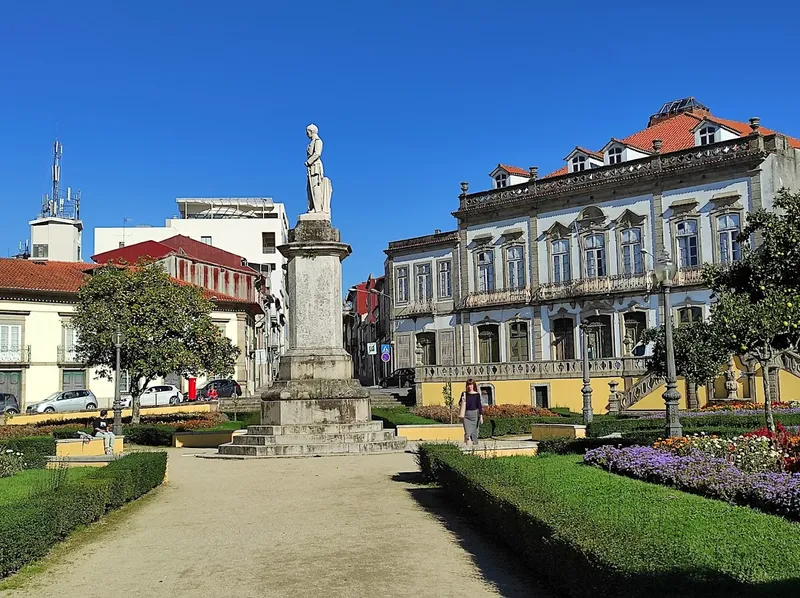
{"x": 386, "y": 349}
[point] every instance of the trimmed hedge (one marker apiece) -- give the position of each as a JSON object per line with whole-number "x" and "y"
{"x": 710, "y": 424}
{"x": 35, "y": 448}
{"x": 519, "y": 426}
{"x": 578, "y": 446}
{"x": 29, "y": 528}
{"x": 594, "y": 534}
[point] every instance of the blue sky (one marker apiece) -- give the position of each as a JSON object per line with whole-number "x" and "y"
{"x": 157, "y": 100}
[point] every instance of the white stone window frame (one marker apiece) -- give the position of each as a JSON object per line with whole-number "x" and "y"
{"x": 416, "y": 298}
{"x": 439, "y": 295}
{"x": 558, "y": 232}
{"x": 505, "y": 248}
{"x": 529, "y": 328}
{"x": 398, "y": 299}
{"x": 500, "y": 340}
{"x": 488, "y": 249}
{"x": 630, "y": 220}
{"x": 615, "y": 155}
{"x": 578, "y": 163}
{"x": 674, "y": 224}
{"x": 688, "y": 304}
{"x": 724, "y": 205}
{"x": 707, "y": 135}
{"x": 501, "y": 180}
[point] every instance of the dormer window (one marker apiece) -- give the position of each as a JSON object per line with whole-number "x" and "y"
{"x": 500, "y": 180}
{"x": 578, "y": 163}
{"x": 708, "y": 135}
{"x": 615, "y": 155}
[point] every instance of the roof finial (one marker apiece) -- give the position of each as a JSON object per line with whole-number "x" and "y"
{"x": 755, "y": 123}
{"x": 534, "y": 171}
{"x": 464, "y": 187}
{"x": 657, "y": 146}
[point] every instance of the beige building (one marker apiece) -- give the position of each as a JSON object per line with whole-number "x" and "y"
{"x": 37, "y": 344}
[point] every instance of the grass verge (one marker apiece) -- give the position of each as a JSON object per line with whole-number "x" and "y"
{"x": 600, "y": 535}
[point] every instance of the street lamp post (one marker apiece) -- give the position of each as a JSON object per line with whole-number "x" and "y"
{"x": 588, "y": 413}
{"x": 665, "y": 271}
{"x": 117, "y": 397}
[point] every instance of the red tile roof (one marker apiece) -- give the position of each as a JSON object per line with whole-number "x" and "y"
{"x": 67, "y": 277}
{"x": 598, "y": 155}
{"x": 676, "y": 134}
{"x": 47, "y": 276}
{"x": 178, "y": 244}
{"x": 516, "y": 170}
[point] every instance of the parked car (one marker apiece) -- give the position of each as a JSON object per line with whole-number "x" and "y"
{"x": 65, "y": 400}
{"x": 157, "y": 396}
{"x": 400, "y": 378}
{"x": 8, "y": 403}
{"x": 224, "y": 388}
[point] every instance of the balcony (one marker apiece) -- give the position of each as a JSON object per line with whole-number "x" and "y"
{"x": 497, "y": 297}
{"x": 533, "y": 370}
{"x": 19, "y": 355}
{"x": 68, "y": 356}
{"x": 415, "y": 309}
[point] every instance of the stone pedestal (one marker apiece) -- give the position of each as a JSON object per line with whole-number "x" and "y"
{"x": 315, "y": 407}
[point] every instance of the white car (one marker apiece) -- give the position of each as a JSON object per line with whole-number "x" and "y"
{"x": 157, "y": 396}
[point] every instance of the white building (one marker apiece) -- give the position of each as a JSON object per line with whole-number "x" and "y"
{"x": 252, "y": 227}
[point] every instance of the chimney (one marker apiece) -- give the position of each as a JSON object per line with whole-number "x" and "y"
{"x": 755, "y": 123}
{"x": 464, "y": 187}
{"x": 657, "y": 146}
{"x": 534, "y": 170}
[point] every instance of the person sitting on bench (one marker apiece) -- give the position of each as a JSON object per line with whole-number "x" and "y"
{"x": 101, "y": 430}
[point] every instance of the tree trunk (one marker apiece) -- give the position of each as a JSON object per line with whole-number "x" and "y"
{"x": 135, "y": 408}
{"x": 765, "y": 369}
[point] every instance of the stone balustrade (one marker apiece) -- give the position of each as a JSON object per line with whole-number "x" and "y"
{"x": 534, "y": 370}
{"x": 497, "y": 297}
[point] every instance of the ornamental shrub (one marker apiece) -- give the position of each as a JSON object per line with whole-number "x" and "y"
{"x": 29, "y": 528}
{"x": 35, "y": 449}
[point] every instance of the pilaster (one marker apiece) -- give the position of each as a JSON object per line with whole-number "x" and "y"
{"x": 658, "y": 223}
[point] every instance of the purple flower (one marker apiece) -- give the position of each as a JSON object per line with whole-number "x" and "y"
{"x": 777, "y": 493}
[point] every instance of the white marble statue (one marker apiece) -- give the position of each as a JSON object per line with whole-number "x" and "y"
{"x": 319, "y": 186}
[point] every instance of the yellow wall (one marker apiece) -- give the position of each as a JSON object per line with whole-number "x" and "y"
{"x": 200, "y": 439}
{"x": 86, "y": 448}
{"x": 790, "y": 386}
{"x": 563, "y": 392}
{"x": 441, "y": 432}
{"x": 20, "y": 420}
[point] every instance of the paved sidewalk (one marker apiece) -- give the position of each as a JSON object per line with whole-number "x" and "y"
{"x": 334, "y": 527}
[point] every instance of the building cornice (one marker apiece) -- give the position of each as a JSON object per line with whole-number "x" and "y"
{"x": 446, "y": 239}
{"x": 749, "y": 151}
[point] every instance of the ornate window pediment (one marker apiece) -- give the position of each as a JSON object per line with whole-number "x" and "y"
{"x": 557, "y": 231}
{"x": 629, "y": 219}
{"x": 684, "y": 207}
{"x": 723, "y": 201}
{"x": 512, "y": 234}
{"x": 591, "y": 218}
{"x": 482, "y": 240}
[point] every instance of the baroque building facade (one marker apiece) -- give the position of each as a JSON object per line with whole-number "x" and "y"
{"x": 502, "y": 297}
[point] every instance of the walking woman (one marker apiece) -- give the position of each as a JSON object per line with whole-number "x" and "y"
{"x": 471, "y": 412}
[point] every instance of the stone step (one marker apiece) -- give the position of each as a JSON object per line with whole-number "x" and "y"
{"x": 308, "y": 450}
{"x": 371, "y": 426}
{"x": 241, "y": 405}
{"x": 357, "y": 437}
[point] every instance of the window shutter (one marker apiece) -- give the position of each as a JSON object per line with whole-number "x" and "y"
{"x": 447, "y": 346}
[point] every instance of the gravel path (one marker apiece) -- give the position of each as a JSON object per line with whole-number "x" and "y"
{"x": 333, "y": 527}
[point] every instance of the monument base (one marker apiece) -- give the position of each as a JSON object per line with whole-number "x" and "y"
{"x": 313, "y": 427}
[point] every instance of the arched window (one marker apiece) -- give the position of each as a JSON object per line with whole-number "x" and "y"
{"x": 728, "y": 233}
{"x": 489, "y": 343}
{"x": 615, "y": 155}
{"x": 708, "y": 135}
{"x": 486, "y": 270}
{"x": 595, "y": 253}
{"x": 518, "y": 342}
{"x": 578, "y": 163}
{"x": 631, "y": 239}
{"x": 560, "y": 252}
{"x": 688, "y": 255}
{"x": 689, "y": 315}
{"x": 515, "y": 265}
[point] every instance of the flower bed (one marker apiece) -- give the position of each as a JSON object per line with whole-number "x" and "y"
{"x": 713, "y": 477}
{"x": 600, "y": 535}
{"x": 719, "y": 423}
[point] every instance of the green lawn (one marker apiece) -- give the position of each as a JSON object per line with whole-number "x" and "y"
{"x": 31, "y": 481}
{"x": 399, "y": 416}
{"x": 601, "y": 534}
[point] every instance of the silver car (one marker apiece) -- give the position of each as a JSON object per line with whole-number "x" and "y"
{"x": 65, "y": 400}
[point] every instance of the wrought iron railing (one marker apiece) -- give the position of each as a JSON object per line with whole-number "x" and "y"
{"x": 523, "y": 370}
{"x": 67, "y": 355}
{"x": 497, "y": 297}
{"x": 415, "y": 308}
{"x": 20, "y": 354}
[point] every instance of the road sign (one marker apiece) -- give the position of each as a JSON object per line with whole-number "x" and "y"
{"x": 372, "y": 348}
{"x": 386, "y": 349}
{"x": 385, "y": 357}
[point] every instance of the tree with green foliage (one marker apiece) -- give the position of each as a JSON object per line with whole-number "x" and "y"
{"x": 756, "y": 310}
{"x": 699, "y": 353}
{"x": 166, "y": 327}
